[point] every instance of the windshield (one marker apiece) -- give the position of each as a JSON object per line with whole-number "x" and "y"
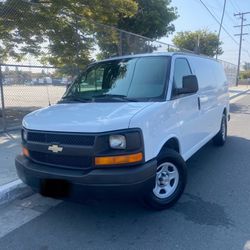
{"x": 132, "y": 79}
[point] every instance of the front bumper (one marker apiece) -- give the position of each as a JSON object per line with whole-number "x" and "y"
{"x": 130, "y": 180}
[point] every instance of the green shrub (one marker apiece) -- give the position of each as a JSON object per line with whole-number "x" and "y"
{"x": 245, "y": 74}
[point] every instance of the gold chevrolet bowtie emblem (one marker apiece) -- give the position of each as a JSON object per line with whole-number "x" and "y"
{"x": 55, "y": 148}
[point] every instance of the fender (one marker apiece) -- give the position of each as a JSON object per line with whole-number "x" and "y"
{"x": 174, "y": 144}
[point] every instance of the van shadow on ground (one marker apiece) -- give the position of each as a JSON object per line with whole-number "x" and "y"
{"x": 207, "y": 171}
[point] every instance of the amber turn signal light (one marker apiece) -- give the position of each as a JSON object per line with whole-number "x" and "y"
{"x": 26, "y": 152}
{"x": 120, "y": 159}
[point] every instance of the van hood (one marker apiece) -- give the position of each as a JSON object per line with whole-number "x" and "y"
{"x": 84, "y": 117}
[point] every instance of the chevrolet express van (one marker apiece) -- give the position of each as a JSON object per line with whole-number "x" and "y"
{"x": 128, "y": 124}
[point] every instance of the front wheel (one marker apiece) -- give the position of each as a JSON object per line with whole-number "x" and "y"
{"x": 170, "y": 181}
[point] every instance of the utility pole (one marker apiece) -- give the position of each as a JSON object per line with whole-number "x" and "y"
{"x": 221, "y": 23}
{"x": 242, "y": 25}
{"x": 2, "y": 114}
{"x": 197, "y": 45}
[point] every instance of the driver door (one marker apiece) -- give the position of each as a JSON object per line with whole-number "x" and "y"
{"x": 188, "y": 109}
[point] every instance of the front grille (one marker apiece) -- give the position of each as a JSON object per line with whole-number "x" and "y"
{"x": 67, "y": 161}
{"x": 61, "y": 138}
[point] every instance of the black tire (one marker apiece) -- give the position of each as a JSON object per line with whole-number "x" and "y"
{"x": 221, "y": 136}
{"x": 173, "y": 157}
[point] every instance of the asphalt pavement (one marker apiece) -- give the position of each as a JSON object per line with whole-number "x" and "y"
{"x": 214, "y": 212}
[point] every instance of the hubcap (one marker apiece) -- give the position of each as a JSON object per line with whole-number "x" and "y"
{"x": 167, "y": 179}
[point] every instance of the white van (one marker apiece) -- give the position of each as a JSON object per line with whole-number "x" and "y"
{"x": 128, "y": 124}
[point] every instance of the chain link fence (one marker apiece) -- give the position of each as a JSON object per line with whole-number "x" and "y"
{"x": 33, "y": 82}
{"x": 27, "y": 88}
{"x": 231, "y": 72}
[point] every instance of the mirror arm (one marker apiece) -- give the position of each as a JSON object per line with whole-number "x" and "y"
{"x": 181, "y": 91}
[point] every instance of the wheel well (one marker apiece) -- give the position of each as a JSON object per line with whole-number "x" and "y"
{"x": 172, "y": 143}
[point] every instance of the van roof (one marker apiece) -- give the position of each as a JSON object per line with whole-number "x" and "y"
{"x": 155, "y": 54}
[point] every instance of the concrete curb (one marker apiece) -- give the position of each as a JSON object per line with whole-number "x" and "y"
{"x": 13, "y": 190}
{"x": 240, "y": 93}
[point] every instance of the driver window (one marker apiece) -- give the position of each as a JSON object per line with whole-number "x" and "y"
{"x": 181, "y": 69}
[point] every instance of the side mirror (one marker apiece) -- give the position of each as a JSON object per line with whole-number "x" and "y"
{"x": 190, "y": 85}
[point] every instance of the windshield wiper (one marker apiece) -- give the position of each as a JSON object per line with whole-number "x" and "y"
{"x": 74, "y": 99}
{"x": 115, "y": 97}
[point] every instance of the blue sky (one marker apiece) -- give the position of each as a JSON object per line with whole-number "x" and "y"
{"x": 193, "y": 16}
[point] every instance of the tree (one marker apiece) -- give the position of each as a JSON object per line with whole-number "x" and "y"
{"x": 246, "y": 66}
{"x": 153, "y": 20}
{"x": 245, "y": 74}
{"x": 201, "y": 41}
{"x": 56, "y": 32}
{"x": 65, "y": 33}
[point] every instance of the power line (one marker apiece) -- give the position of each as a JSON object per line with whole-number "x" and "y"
{"x": 222, "y": 26}
{"x": 214, "y": 13}
{"x": 218, "y": 8}
{"x": 221, "y": 22}
{"x": 226, "y": 13}
{"x": 215, "y": 18}
{"x": 230, "y": 18}
{"x": 236, "y": 4}
{"x": 237, "y": 9}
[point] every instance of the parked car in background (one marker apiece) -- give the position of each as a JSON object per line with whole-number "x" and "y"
{"x": 128, "y": 124}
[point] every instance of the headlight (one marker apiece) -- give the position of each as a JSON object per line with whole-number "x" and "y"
{"x": 25, "y": 135}
{"x": 117, "y": 141}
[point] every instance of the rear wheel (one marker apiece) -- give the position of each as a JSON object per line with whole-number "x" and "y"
{"x": 221, "y": 137}
{"x": 170, "y": 181}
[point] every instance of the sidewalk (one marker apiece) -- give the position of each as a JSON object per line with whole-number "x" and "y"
{"x": 11, "y": 186}
{"x": 238, "y": 90}
{"x": 10, "y": 147}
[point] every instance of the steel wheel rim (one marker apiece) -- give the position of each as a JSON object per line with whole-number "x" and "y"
{"x": 223, "y": 130}
{"x": 167, "y": 179}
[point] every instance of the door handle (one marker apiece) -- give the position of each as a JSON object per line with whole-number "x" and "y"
{"x": 199, "y": 103}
